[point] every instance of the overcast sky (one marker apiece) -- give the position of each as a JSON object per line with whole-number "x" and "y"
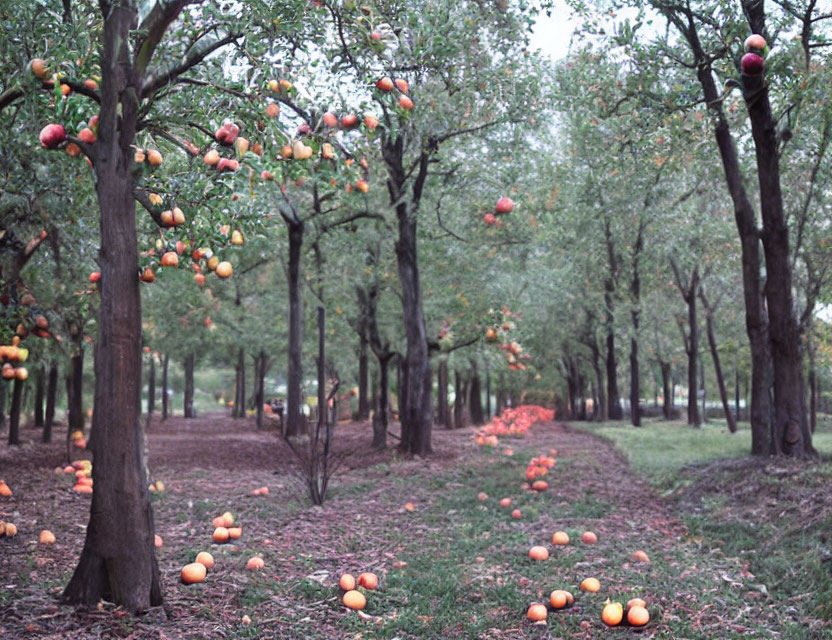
{"x": 551, "y": 35}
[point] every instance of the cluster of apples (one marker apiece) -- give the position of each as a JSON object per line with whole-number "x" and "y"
{"x": 504, "y": 205}
{"x": 81, "y": 469}
{"x": 352, "y": 597}
{"x": 12, "y": 355}
{"x": 224, "y": 529}
{"x": 387, "y": 84}
{"x": 753, "y": 62}
{"x": 228, "y": 135}
{"x": 537, "y": 468}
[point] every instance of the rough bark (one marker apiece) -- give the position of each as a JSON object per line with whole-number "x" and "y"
{"x": 151, "y": 388}
{"x": 294, "y": 417}
{"x": 444, "y": 410}
{"x": 720, "y": 378}
{"x": 383, "y": 407}
{"x": 363, "y": 377}
{"x": 40, "y": 385}
{"x": 75, "y": 401}
{"x": 165, "y": 399}
{"x": 259, "y": 394}
{"x": 614, "y": 411}
{"x": 4, "y": 394}
{"x": 487, "y": 395}
{"x": 460, "y": 399}
{"x": 14, "y": 412}
{"x": 475, "y": 397}
{"x": 667, "y": 391}
{"x": 51, "y": 397}
{"x": 118, "y": 561}
{"x": 188, "y": 400}
{"x": 416, "y": 414}
{"x": 239, "y": 410}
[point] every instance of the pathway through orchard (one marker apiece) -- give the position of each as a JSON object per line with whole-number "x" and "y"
{"x": 453, "y": 567}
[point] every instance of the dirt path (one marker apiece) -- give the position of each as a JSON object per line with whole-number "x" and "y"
{"x": 211, "y": 464}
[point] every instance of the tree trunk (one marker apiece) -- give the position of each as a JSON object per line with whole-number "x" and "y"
{"x": 239, "y": 410}
{"x": 737, "y": 393}
{"x": 614, "y": 411}
{"x": 720, "y": 379}
{"x": 75, "y": 401}
{"x": 165, "y": 361}
{"x": 363, "y": 378}
{"x": 151, "y": 389}
{"x": 599, "y": 414}
{"x": 444, "y": 410}
{"x": 382, "y": 409}
{"x": 14, "y": 412}
{"x": 460, "y": 398}
{"x": 4, "y": 394}
{"x": 693, "y": 354}
{"x": 294, "y": 417}
{"x": 118, "y": 562}
{"x": 635, "y": 410}
{"x": 51, "y": 397}
{"x": 475, "y": 398}
{"x": 260, "y": 392}
{"x": 188, "y": 400}
{"x": 756, "y": 322}
{"x": 416, "y": 414}
{"x": 791, "y": 433}
{"x": 40, "y": 385}
{"x": 667, "y": 391}
{"x": 487, "y": 395}
{"x": 704, "y": 412}
{"x": 813, "y": 387}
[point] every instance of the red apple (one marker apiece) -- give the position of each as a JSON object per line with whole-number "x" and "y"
{"x": 401, "y": 85}
{"x": 52, "y": 135}
{"x": 227, "y": 134}
{"x": 370, "y": 121}
{"x": 489, "y": 218}
{"x": 755, "y": 41}
{"x": 86, "y": 135}
{"x": 349, "y": 120}
{"x": 752, "y": 64}
{"x": 505, "y": 205}
{"x": 330, "y": 119}
{"x": 384, "y": 84}
{"x": 405, "y": 102}
{"x": 267, "y": 175}
{"x": 39, "y": 68}
{"x": 95, "y": 276}
{"x": 363, "y": 186}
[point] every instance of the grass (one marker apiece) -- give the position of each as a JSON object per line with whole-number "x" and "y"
{"x": 659, "y": 449}
{"x": 775, "y": 519}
